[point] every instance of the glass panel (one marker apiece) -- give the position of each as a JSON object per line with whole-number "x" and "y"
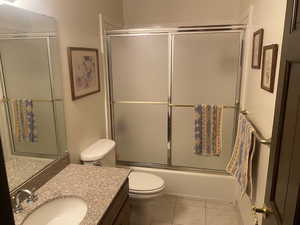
{"x": 183, "y": 141}
{"x": 46, "y": 144}
{"x": 25, "y": 64}
{"x": 205, "y": 68}
{"x": 203, "y": 63}
{"x": 141, "y": 132}
{"x": 140, "y": 68}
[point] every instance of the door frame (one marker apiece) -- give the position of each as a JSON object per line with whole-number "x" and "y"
{"x": 279, "y": 115}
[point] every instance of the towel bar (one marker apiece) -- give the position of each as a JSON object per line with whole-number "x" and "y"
{"x": 191, "y": 106}
{"x": 140, "y": 102}
{"x": 257, "y": 134}
{"x": 35, "y": 100}
{"x": 166, "y": 103}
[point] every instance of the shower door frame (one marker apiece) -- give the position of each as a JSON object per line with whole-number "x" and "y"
{"x": 171, "y": 32}
{"x": 8, "y": 122}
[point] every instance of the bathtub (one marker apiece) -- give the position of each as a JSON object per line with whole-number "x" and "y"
{"x": 196, "y": 185}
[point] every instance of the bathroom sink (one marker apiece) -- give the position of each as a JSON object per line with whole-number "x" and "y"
{"x": 62, "y": 211}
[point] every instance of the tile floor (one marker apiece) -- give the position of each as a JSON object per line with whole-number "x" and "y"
{"x": 173, "y": 210}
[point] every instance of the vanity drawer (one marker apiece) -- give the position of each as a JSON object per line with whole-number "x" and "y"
{"x": 116, "y": 206}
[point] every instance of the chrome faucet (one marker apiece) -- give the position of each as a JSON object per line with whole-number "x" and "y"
{"x": 30, "y": 198}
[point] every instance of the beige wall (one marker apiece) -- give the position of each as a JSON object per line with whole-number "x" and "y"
{"x": 179, "y": 12}
{"x": 260, "y": 103}
{"x": 244, "y": 6}
{"x": 78, "y": 26}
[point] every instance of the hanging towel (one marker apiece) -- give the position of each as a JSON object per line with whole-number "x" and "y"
{"x": 23, "y": 120}
{"x": 240, "y": 164}
{"x": 208, "y": 130}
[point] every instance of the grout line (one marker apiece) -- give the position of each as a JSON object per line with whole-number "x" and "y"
{"x": 205, "y": 217}
{"x": 205, "y": 212}
{"x": 174, "y": 209}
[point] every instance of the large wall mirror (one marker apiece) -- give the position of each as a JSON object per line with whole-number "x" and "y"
{"x": 31, "y": 102}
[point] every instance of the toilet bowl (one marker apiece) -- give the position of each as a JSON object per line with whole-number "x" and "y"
{"x": 145, "y": 185}
{"x": 141, "y": 185}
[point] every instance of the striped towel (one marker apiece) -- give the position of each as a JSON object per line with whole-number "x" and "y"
{"x": 240, "y": 164}
{"x": 208, "y": 130}
{"x": 23, "y": 120}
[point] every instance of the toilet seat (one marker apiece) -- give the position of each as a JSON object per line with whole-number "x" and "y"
{"x": 145, "y": 184}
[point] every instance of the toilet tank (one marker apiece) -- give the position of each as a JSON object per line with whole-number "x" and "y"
{"x": 101, "y": 153}
{"x": 109, "y": 159}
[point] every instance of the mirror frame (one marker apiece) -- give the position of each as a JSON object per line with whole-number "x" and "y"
{"x": 6, "y": 213}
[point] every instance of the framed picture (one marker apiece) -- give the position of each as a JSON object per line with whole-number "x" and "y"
{"x": 269, "y": 67}
{"x": 84, "y": 71}
{"x": 258, "y": 37}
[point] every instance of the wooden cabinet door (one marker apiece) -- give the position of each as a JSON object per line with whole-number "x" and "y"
{"x": 116, "y": 206}
{"x": 283, "y": 185}
{"x": 124, "y": 215}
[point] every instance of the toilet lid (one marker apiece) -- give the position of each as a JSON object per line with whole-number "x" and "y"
{"x": 140, "y": 182}
{"x": 98, "y": 150}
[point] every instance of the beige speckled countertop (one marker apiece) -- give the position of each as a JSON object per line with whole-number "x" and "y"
{"x": 96, "y": 185}
{"x": 21, "y": 168}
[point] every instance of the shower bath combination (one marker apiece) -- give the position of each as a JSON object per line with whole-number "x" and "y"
{"x": 156, "y": 76}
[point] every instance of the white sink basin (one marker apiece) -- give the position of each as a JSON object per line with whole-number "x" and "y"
{"x": 62, "y": 211}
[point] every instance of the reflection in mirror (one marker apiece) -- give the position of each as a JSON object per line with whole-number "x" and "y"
{"x": 31, "y": 106}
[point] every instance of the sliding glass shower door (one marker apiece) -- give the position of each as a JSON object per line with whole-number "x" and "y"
{"x": 140, "y": 97}
{"x": 27, "y": 75}
{"x": 156, "y": 79}
{"x": 206, "y": 68}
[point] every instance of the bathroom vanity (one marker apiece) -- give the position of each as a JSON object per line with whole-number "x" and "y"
{"x": 103, "y": 190}
{"x": 118, "y": 212}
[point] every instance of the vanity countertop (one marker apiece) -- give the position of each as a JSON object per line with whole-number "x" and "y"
{"x": 19, "y": 169}
{"x": 97, "y": 186}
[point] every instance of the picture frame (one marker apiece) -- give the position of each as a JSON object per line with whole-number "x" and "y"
{"x": 84, "y": 71}
{"x": 257, "y": 45}
{"x": 270, "y": 54}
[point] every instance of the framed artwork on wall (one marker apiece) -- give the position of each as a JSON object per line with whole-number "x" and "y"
{"x": 84, "y": 71}
{"x": 258, "y": 37}
{"x": 270, "y": 53}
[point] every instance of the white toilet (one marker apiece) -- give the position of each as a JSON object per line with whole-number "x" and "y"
{"x": 141, "y": 185}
